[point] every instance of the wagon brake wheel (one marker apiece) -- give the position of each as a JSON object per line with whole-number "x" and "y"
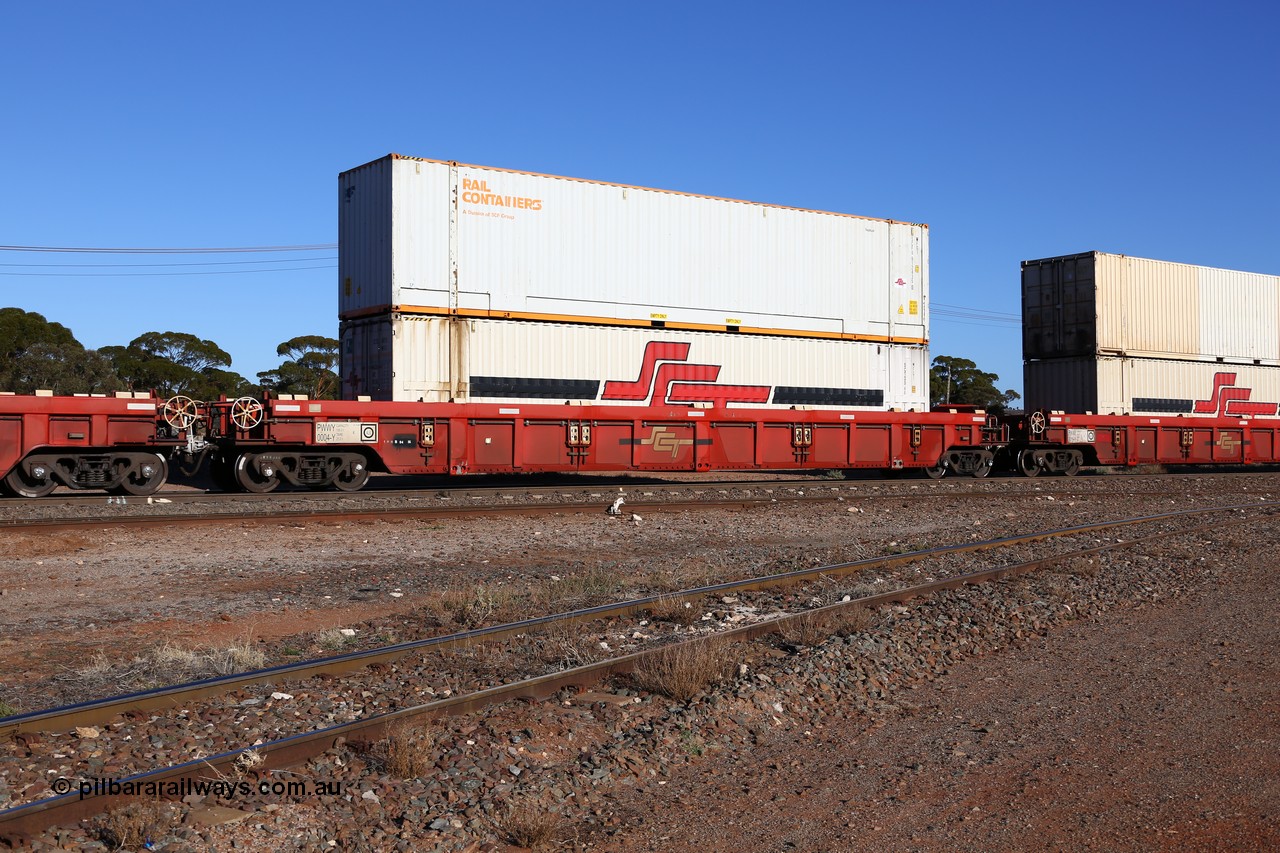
{"x": 246, "y": 413}
{"x": 1037, "y": 423}
{"x": 180, "y": 411}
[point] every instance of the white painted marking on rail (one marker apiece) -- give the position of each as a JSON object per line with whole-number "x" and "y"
{"x": 848, "y": 417}
{"x": 142, "y": 407}
{"x": 696, "y": 414}
{"x": 508, "y": 411}
{"x": 282, "y": 407}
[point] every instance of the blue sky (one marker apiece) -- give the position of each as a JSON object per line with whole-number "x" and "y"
{"x": 1016, "y": 130}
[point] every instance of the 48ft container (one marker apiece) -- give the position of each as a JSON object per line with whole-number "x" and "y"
{"x": 1113, "y": 305}
{"x": 1152, "y": 386}
{"x": 409, "y": 357}
{"x": 439, "y": 238}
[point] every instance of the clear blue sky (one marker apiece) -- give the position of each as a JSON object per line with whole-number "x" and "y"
{"x": 1016, "y": 130}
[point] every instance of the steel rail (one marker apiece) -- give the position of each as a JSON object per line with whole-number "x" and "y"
{"x": 456, "y": 487}
{"x": 831, "y": 493}
{"x": 21, "y": 822}
{"x": 99, "y": 711}
{"x": 193, "y": 519}
{"x": 452, "y": 490}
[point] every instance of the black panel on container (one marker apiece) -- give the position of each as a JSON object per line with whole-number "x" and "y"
{"x": 542, "y": 389}
{"x": 1162, "y": 405}
{"x": 785, "y": 395}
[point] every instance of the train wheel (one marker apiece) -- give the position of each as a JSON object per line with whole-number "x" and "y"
{"x": 25, "y": 486}
{"x": 1027, "y": 464}
{"x": 1073, "y": 466}
{"x": 251, "y": 479}
{"x": 983, "y": 468}
{"x": 937, "y": 472}
{"x": 148, "y": 474}
{"x": 352, "y": 478}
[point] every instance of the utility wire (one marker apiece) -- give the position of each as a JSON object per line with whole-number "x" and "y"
{"x": 984, "y": 324}
{"x": 313, "y": 247}
{"x": 182, "y": 264}
{"x": 137, "y": 274}
{"x": 948, "y": 309}
{"x": 961, "y": 318}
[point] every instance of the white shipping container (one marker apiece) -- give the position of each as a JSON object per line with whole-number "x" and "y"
{"x": 1102, "y": 304}
{"x": 433, "y": 238}
{"x": 1142, "y": 386}
{"x": 437, "y": 359}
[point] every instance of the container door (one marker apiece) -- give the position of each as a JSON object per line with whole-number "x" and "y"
{"x": 365, "y": 364}
{"x": 906, "y": 278}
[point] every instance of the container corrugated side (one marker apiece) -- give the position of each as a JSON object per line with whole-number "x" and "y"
{"x": 436, "y": 359}
{"x": 1058, "y": 307}
{"x": 1104, "y": 304}
{"x": 1239, "y": 314}
{"x": 493, "y": 243}
{"x": 1113, "y": 385}
{"x": 383, "y": 249}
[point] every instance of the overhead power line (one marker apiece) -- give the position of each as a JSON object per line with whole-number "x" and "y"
{"x": 977, "y": 311}
{"x": 137, "y": 274}
{"x": 179, "y": 264}
{"x": 973, "y": 316}
{"x": 312, "y": 247}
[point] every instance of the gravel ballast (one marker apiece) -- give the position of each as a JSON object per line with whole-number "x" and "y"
{"x": 628, "y": 769}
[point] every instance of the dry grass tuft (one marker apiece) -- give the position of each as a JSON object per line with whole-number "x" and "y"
{"x": 248, "y": 760}
{"x": 808, "y": 629}
{"x": 99, "y": 666}
{"x": 134, "y": 826}
{"x": 333, "y": 640}
{"x": 565, "y": 647}
{"x": 671, "y": 608}
{"x": 692, "y": 572}
{"x": 169, "y": 664}
{"x": 684, "y": 670}
{"x": 863, "y": 589}
{"x": 477, "y": 606}
{"x": 854, "y": 620}
{"x": 581, "y": 589}
{"x": 171, "y": 658}
{"x": 814, "y": 629}
{"x": 237, "y": 657}
{"x": 528, "y": 824}
{"x": 408, "y": 752}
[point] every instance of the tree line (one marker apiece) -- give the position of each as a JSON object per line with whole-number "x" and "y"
{"x": 36, "y": 354}
{"x": 958, "y": 381}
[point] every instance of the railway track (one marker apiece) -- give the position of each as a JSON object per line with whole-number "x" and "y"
{"x": 169, "y": 508}
{"x": 483, "y": 486}
{"x": 34, "y": 817}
